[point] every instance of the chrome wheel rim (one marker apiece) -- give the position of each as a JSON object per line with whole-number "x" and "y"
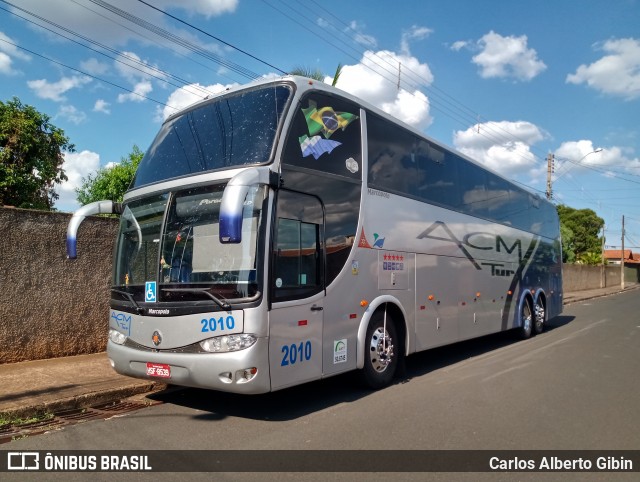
{"x": 539, "y": 316}
{"x": 380, "y": 350}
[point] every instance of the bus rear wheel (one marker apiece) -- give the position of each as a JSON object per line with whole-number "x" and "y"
{"x": 381, "y": 352}
{"x": 540, "y": 314}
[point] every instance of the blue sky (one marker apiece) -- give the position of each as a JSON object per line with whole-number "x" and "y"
{"x": 506, "y": 82}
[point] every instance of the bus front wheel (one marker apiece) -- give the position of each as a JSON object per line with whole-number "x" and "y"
{"x": 381, "y": 352}
{"x": 526, "y": 319}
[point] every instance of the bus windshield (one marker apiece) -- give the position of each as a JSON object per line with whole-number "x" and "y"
{"x": 185, "y": 256}
{"x": 230, "y": 131}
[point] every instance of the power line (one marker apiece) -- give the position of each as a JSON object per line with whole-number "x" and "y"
{"x": 210, "y": 35}
{"x": 176, "y": 39}
{"x": 87, "y": 74}
{"x": 145, "y": 71}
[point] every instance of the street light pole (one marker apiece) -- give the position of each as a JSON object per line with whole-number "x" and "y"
{"x": 551, "y": 168}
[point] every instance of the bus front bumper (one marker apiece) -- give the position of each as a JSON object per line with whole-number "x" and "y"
{"x": 244, "y": 371}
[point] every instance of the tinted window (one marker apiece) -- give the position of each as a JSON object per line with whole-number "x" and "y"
{"x": 406, "y": 164}
{"x": 298, "y": 260}
{"x": 231, "y": 131}
{"x": 341, "y": 200}
{"x": 393, "y": 157}
{"x": 440, "y": 176}
{"x": 325, "y": 136}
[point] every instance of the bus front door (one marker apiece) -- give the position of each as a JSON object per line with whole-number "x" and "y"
{"x": 297, "y": 291}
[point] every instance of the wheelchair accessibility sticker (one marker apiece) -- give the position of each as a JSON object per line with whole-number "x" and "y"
{"x": 150, "y": 291}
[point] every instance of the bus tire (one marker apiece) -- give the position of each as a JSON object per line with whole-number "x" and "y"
{"x": 540, "y": 316}
{"x": 381, "y": 352}
{"x": 526, "y": 319}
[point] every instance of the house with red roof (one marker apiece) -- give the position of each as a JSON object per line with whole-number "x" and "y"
{"x": 613, "y": 256}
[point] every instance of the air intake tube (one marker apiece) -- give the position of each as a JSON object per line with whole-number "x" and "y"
{"x": 98, "y": 207}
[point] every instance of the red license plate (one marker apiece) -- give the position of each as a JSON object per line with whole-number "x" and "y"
{"x": 159, "y": 370}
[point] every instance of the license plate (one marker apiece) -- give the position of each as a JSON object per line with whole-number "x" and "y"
{"x": 159, "y": 370}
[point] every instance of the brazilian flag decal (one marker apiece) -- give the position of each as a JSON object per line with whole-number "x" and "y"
{"x": 325, "y": 119}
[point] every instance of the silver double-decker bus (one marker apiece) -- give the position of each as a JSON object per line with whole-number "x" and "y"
{"x": 285, "y": 231}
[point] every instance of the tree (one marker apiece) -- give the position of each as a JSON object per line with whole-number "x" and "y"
{"x": 585, "y": 225}
{"x": 110, "y": 183}
{"x": 31, "y": 156}
{"x": 317, "y": 74}
{"x": 568, "y": 256}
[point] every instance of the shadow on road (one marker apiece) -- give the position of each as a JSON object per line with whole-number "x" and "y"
{"x": 296, "y": 402}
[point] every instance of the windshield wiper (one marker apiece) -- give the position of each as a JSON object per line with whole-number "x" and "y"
{"x": 222, "y": 303}
{"x": 129, "y": 297}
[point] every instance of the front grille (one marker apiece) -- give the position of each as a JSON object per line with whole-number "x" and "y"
{"x": 194, "y": 348}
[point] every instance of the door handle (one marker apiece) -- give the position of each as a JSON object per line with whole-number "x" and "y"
{"x": 316, "y": 308}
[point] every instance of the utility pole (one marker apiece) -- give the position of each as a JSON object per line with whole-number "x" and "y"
{"x": 603, "y": 273}
{"x": 622, "y": 257}
{"x": 550, "y": 162}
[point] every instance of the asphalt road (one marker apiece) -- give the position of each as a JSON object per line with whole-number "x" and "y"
{"x": 575, "y": 387}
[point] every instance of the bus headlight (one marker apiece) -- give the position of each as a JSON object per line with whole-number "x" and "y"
{"x": 117, "y": 337}
{"x": 227, "y": 343}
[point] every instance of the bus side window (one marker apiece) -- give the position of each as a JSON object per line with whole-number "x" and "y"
{"x": 298, "y": 270}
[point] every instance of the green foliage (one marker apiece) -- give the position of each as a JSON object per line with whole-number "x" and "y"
{"x": 31, "y": 156}
{"x": 591, "y": 258}
{"x": 110, "y": 183}
{"x": 317, "y": 74}
{"x": 585, "y": 226}
{"x": 568, "y": 255}
{"x": 336, "y": 76}
{"x": 308, "y": 72}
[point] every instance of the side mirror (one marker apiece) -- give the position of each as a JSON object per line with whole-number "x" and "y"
{"x": 233, "y": 200}
{"x": 98, "y": 207}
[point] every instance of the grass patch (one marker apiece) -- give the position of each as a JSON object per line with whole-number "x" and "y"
{"x": 8, "y": 420}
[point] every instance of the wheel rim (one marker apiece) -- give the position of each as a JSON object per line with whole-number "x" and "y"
{"x": 526, "y": 317}
{"x": 539, "y": 316}
{"x": 380, "y": 350}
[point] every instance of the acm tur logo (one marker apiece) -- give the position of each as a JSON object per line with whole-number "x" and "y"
{"x": 445, "y": 234}
{"x": 123, "y": 321}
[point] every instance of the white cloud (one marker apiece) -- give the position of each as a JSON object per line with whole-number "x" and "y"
{"x": 359, "y": 35}
{"x": 5, "y": 64}
{"x": 72, "y": 114}
{"x": 79, "y": 18}
{"x": 76, "y": 166}
{"x": 7, "y": 53}
{"x": 54, "y": 90}
{"x": 102, "y": 105}
{"x": 572, "y": 154}
{"x": 133, "y": 68}
{"x": 140, "y": 91}
{"x": 414, "y": 33}
{"x": 187, "y": 95}
{"x": 509, "y": 157}
{"x": 459, "y": 45}
{"x": 507, "y": 57}
{"x": 209, "y": 8}
{"x": 617, "y": 73}
{"x": 94, "y": 67}
{"x": 374, "y": 80}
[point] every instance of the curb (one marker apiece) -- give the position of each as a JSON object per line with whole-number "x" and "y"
{"x": 577, "y": 298}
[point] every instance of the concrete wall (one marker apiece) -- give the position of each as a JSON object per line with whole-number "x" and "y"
{"x": 50, "y": 306}
{"x": 577, "y": 277}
